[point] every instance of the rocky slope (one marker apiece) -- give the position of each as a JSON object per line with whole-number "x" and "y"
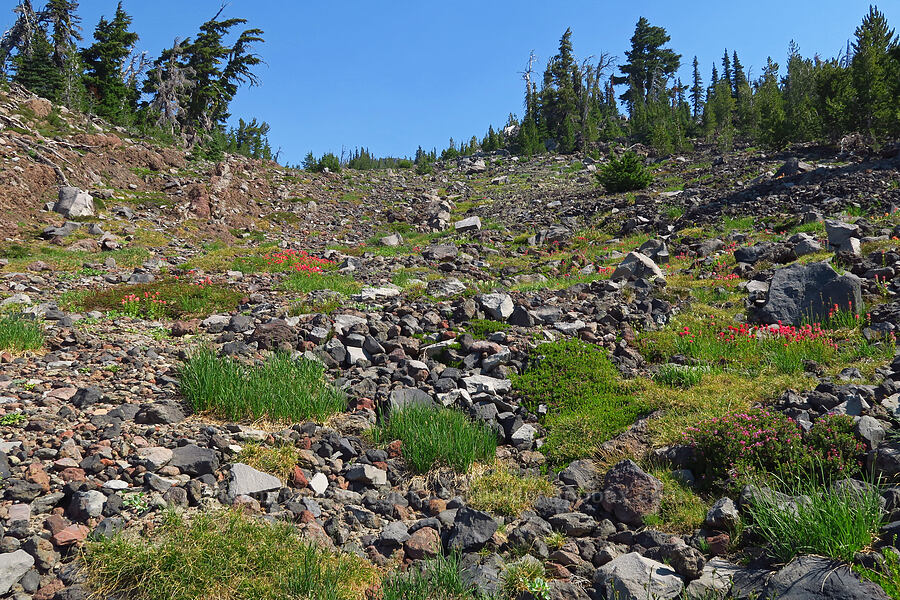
{"x": 449, "y": 284}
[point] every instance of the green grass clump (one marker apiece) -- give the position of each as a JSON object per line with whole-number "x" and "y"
{"x": 222, "y": 556}
{"x": 681, "y": 510}
{"x": 500, "y": 491}
{"x": 168, "y": 298}
{"x": 525, "y": 578}
{"x": 680, "y": 376}
{"x": 588, "y": 402}
{"x": 433, "y": 436}
{"x": 482, "y": 328}
{"x": 309, "y": 282}
{"x": 278, "y": 460}
{"x": 20, "y": 335}
{"x": 437, "y": 579}
{"x": 280, "y": 389}
{"x": 830, "y": 521}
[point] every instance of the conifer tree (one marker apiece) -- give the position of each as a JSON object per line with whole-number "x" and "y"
{"x": 647, "y": 61}
{"x": 696, "y": 91}
{"x": 726, "y": 70}
{"x": 66, "y": 33}
{"x": 874, "y": 42}
{"x": 35, "y": 68}
{"x": 113, "y": 96}
{"x": 739, "y": 78}
{"x": 769, "y": 104}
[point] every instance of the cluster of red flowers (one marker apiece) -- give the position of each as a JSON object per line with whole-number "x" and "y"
{"x": 149, "y": 297}
{"x": 744, "y": 332}
{"x": 298, "y": 260}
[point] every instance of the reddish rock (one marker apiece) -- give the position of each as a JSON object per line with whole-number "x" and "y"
{"x": 70, "y": 535}
{"x": 395, "y": 449}
{"x": 557, "y": 571}
{"x": 718, "y": 544}
{"x": 72, "y": 474}
{"x": 298, "y": 478}
{"x": 307, "y": 517}
{"x": 49, "y": 590}
{"x": 55, "y": 523}
{"x": 363, "y": 404}
{"x": 35, "y": 473}
{"x": 183, "y": 328}
{"x": 436, "y": 506}
{"x": 424, "y": 543}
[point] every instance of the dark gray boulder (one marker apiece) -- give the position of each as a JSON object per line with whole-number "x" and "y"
{"x": 801, "y": 293}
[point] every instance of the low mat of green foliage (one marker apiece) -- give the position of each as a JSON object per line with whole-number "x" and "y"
{"x": 835, "y": 521}
{"x": 168, "y": 298}
{"x": 433, "y": 436}
{"x": 500, "y": 491}
{"x": 222, "y": 556}
{"x": 309, "y": 282}
{"x": 887, "y": 575}
{"x": 587, "y": 401}
{"x": 482, "y": 328}
{"x": 281, "y": 389}
{"x": 20, "y": 335}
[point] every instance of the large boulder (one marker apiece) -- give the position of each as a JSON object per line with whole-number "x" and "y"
{"x": 497, "y": 306}
{"x": 819, "y": 578}
{"x": 73, "y": 202}
{"x": 633, "y": 577}
{"x": 629, "y": 493}
{"x": 637, "y": 266}
{"x": 245, "y": 480}
{"x": 801, "y": 293}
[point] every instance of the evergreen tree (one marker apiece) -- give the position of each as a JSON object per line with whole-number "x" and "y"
{"x": 739, "y": 78}
{"x": 769, "y": 104}
{"x": 250, "y": 139}
{"x": 114, "y": 97}
{"x": 558, "y": 104}
{"x": 66, "y": 33}
{"x": 799, "y": 97}
{"x": 696, "y": 91}
{"x": 648, "y": 60}
{"x": 35, "y": 68}
{"x": 726, "y": 70}
{"x": 872, "y": 47}
{"x": 19, "y": 37}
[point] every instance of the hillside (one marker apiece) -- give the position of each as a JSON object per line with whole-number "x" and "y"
{"x": 496, "y": 379}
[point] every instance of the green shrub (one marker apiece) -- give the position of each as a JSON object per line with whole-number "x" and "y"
{"x": 835, "y": 521}
{"x": 20, "y": 335}
{"x": 222, "y": 555}
{"x": 587, "y": 401}
{"x": 482, "y": 328}
{"x": 500, "y": 491}
{"x": 328, "y": 161}
{"x": 433, "y": 436}
{"x": 437, "y": 579}
{"x": 281, "y": 389}
{"x": 424, "y": 168}
{"x": 759, "y": 442}
{"x": 525, "y": 577}
{"x": 624, "y": 174}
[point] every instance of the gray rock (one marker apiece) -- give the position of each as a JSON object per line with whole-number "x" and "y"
{"x": 408, "y": 397}
{"x": 472, "y": 529}
{"x": 870, "y": 430}
{"x": 13, "y": 565}
{"x": 391, "y": 241}
{"x": 367, "y": 475}
{"x": 579, "y": 473}
{"x": 245, "y": 480}
{"x": 637, "y": 266}
{"x": 573, "y": 524}
{"x": 482, "y": 383}
{"x": 73, "y": 202}
{"x": 714, "y": 581}
{"x": 629, "y": 493}
{"x": 194, "y": 460}
{"x": 318, "y": 483}
{"x": 441, "y": 252}
{"x": 808, "y": 292}
{"x": 85, "y": 505}
{"x": 723, "y": 515}
{"x": 394, "y": 534}
{"x": 496, "y": 306}
{"x": 483, "y": 573}
{"x": 633, "y": 577}
{"x": 154, "y": 458}
{"x": 159, "y": 413}
{"x": 469, "y": 224}
{"x": 445, "y": 288}
{"x": 884, "y": 461}
{"x": 840, "y": 233}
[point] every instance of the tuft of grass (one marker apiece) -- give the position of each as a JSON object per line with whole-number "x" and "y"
{"x": 309, "y": 282}
{"x": 525, "y": 578}
{"x": 827, "y": 520}
{"x": 433, "y": 436}
{"x": 278, "y": 460}
{"x": 587, "y": 401}
{"x": 222, "y": 556}
{"x": 502, "y": 492}
{"x": 681, "y": 509}
{"x": 436, "y": 579}
{"x": 20, "y": 335}
{"x": 680, "y": 376}
{"x": 281, "y": 389}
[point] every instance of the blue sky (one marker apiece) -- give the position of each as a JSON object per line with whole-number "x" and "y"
{"x": 396, "y": 74}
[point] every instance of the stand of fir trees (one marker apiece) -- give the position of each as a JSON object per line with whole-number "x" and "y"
{"x": 184, "y": 93}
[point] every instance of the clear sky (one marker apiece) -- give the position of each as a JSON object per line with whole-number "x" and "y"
{"x": 393, "y": 74}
